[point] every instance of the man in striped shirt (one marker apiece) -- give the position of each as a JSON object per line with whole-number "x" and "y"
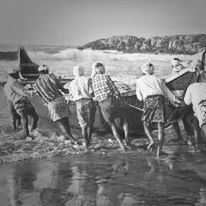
{"x": 49, "y": 89}
{"x": 106, "y": 93}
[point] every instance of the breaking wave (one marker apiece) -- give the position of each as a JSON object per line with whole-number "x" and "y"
{"x": 73, "y": 54}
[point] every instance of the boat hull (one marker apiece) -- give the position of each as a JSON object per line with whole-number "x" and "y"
{"x": 133, "y": 115}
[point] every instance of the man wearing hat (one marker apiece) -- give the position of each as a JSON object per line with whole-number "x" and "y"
{"x": 82, "y": 93}
{"x": 49, "y": 89}
{"x": 152, "y": 90}
{"x": 106, "y": 93}
{"x": 20, "y": 105}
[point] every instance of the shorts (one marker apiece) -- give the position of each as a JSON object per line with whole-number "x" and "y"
{"x": 154, "y": 109}
{"x": 85, "y": 112}
{"x": 110, "y": 109}
{"x": 23, "y": 105}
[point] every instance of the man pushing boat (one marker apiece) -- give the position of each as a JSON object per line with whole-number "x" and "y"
{"x": 49, "y": 89}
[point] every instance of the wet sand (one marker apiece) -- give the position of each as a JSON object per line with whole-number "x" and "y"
{"x": 106, "y": 180}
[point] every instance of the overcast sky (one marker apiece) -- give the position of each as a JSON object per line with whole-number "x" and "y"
{"x": 75, "y": 22}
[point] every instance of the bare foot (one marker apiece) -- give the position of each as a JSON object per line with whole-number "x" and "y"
{"x": 151, "y": 144}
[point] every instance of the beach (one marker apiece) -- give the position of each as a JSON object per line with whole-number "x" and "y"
{"x": 51, "y": 171}
{"x": 123, "y": 68}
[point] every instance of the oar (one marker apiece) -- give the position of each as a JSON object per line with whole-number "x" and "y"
{"x": 137, "y": 108}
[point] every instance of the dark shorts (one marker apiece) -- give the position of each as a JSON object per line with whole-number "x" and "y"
{"x": 85, "y": 112}
{"x": 110, "y": 109}
{"x": 24, "y": 105}
{"x": 11, "y": 108}
{"x": 154, "y": 109}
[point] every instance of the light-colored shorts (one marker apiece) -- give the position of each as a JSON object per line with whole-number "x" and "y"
{"x": 58, "y": 108}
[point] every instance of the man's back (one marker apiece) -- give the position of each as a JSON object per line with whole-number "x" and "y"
{"x": 47, "y": 87}
{"x": 81, "y": 87}
{"x": 195, "y": 93}
{"x": 103, "y": 86}
{"x": 13, "y": 90}
{"x": 149, "y": 85}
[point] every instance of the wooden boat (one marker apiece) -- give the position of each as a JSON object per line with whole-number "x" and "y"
{"x": 184, "y": 78}
{"x": 130, "y": 106}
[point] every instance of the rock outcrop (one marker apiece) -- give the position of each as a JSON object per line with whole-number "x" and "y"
{"x": 177, "y": 44}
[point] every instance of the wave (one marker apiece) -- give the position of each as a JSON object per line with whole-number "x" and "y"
{"x": 73, "y": 54}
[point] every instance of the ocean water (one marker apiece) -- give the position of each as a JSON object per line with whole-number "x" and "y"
{"x": 61, "y": 60}
{"x": 105, "y": 178}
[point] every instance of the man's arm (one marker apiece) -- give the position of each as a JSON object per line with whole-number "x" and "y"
{"x": 138, "y": 92}
{"x": 188, "y": 98}
{"x": 112, "y": 86}
{"x": 18, "y": 88}
{"x": 58, "y": 83}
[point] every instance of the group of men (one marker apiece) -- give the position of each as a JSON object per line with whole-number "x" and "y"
{"x": 83, "y": 91}
{"x": 86, "y": 91}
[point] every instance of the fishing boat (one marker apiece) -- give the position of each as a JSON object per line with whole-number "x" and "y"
{"x": 130, "y": 106}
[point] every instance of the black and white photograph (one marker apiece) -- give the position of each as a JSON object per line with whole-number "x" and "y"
{"x": 102, "y": 103}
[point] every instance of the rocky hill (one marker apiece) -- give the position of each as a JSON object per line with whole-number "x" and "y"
{"x": 177, "y": 44}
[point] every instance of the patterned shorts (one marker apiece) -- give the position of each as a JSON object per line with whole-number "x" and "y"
{"x": 85, "y": 112}
{"x": 110, "y": 109}
{"x": 154, "y": 109}
{"x": 23, "y": 105}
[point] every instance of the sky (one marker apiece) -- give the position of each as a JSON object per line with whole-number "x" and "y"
{"x": 76, "y": 22}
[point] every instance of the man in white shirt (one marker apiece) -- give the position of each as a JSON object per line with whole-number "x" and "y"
{"x": 152, "y": 90}
{"x": 81, "y": 91}
{"x": 196, "y": 95}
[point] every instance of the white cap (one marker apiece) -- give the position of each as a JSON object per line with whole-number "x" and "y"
{"x": 148, "y": 68}
{"x": 78, "y": 71}
{"x": 43, "y": 68}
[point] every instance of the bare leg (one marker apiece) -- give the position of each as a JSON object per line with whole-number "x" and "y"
{"x": 177, "y": 131}
{"x": 65, "y": 128}
{"x": 14, "y": 120}
{"x": 18, "y": 120}
{"x": 34, "y": 120}
{"x": 15, "y": 116}
{"x": 24, "y": 118}
{"x": 90, "y": 128}
{"x": 89, "y": 134}
{"x": 196, "y": 136}
{"x": 160, "y": 137}
{"x": 149, "y": 134}
{"x": 126, "y": 131}
{"x": 116, "y": 135}
{"x": 203, "y": 128}
{"x": 85, "y": 135}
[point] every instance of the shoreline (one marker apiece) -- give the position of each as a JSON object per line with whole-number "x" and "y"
{"x": 45, "y": 146}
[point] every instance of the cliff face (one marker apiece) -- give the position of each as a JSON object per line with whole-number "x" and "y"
{"x": 177, "y": 44}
